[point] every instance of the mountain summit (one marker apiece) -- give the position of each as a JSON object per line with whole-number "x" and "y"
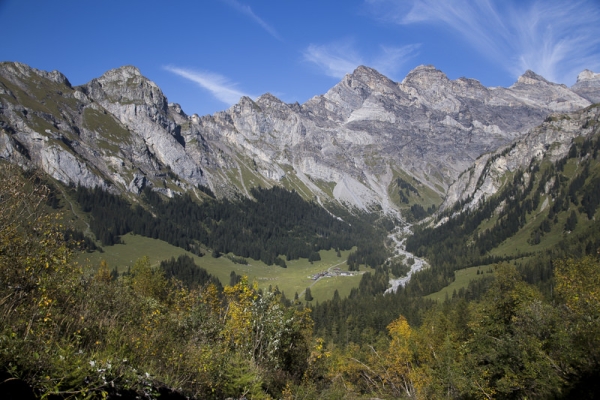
{"x": 588, "y": 86}
{"x": 531, "y": 78}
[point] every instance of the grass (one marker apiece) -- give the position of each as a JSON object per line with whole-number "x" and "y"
{"x": 426, "y": 198}
{"x": 107, "y": 125}
{"x": 462, "y": 279}
{"x": 294, "y": 278}
{"x": 292, "y": 182}
{"x": 325, "y": 288}
{"x": 325, "y": 186}
{"x": 518, "y": 244}
{"x": 41, "y": 95}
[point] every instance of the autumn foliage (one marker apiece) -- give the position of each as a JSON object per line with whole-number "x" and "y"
{"x": 77, "y": 332}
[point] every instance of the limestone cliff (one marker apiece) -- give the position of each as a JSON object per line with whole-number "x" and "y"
{"x": 551, "y": 140}
{"x": 588, "y": 86}
{"x": 349, "y": 145}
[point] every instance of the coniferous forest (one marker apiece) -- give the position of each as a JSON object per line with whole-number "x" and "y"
{"x": 530, "y": 329}
{"x": 276, "y": 223}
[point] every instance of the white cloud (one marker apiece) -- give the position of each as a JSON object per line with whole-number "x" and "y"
{"x": 245, "y": 9}
{"x": 335, "y": 59}
{"x": 218, "y": 85}
{"x": 340, "y": 58}
{"x": 391, "y": 58}
{"x": 555, "y": 38}
{"x": 558, "y": 40}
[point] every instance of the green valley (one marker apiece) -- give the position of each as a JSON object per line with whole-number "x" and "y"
{"x": 293, "y": 279}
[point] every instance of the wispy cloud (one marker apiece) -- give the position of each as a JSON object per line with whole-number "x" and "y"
{"x": 335, "y": 59}
{"x": 554, "y": 38}
{"x": 246, "y": 10}
{"x": 218, "y": 85}
{"x": 391, "y": 58}
{"x": 339, "y": 58}
{"x": 558, "y": 40}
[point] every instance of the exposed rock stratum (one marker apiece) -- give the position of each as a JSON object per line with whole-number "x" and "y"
{"x": 349, "y": 145}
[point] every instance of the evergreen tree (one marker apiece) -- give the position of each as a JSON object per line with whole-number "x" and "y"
{"x": 308, "y": 295}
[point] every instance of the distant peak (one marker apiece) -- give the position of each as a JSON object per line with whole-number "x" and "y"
{"x": 363, "y": 69}
{"x": 364, "y": 73}
{"x": 588, "y": 85}
{"x": 245, "y": 100}
{"x": 129, "y": 69}
{"x": 268, "y": 98}
{"x": 367, "y": 75}
{"x": 587, "y": 75}
{"x": 122, "y": 73}
{"x": 423, "y": 67}
{"x": 530, "y": 77}
{"x": 19, "y": 68}
{"x": 424, "y": 73}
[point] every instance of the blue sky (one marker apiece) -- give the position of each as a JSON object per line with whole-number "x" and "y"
{"x": 205, "y": 54}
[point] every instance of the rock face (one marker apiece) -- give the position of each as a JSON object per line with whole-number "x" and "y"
{"x": 142, "y": 108}
{"x": 588, "y": 86}
{"x": 551, "y": 140}
{"x": 348, "y": 145}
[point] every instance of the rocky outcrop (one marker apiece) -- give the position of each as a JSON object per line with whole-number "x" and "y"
{"x": 588, "y": 86}
{"x": 143, "y": 109}
{"x": 551, "y": 140}
{"x": 116, "y": 132}
{"x": 348, "y": 145}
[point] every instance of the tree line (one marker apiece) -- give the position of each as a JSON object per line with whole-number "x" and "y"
{"x": 275, "y": 223}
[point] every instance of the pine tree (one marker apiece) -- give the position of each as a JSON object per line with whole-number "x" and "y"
{"x": 308, "y": 295}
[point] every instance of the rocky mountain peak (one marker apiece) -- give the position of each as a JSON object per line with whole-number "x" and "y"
{"x": 587, "y": 75}
{"x": 245, "y": 106}
{"x": 127, "y": 85}
{"x": 424, "y": 75}
{"x": 23, "y": 71}
{"x": 588, "y": 85}
{"x": 120, "y": 74}
{"x": 348, "y": 95}
{"x": 366, "y": 74}
{"x": 269, "y": 100}
{"x": 531, "y": 78}
{"x": 371, "y": 79}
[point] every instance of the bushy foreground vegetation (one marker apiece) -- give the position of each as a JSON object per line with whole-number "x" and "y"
{"x": 513, "y": 343}
{"x": 71, "y": 333}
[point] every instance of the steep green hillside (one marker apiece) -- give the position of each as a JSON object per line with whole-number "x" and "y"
{"x": 416, "y": 199}
{"x": 549, "y": 207}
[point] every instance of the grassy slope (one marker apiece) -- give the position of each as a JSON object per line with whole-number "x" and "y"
{"x": 518, "y": 245}
{"x": 294, "y": 278}
{"x": 426, "y": 197}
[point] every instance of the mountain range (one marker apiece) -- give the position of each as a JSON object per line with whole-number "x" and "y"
{"x": 494, "y": 295}
{"x": 369, "y": 143}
